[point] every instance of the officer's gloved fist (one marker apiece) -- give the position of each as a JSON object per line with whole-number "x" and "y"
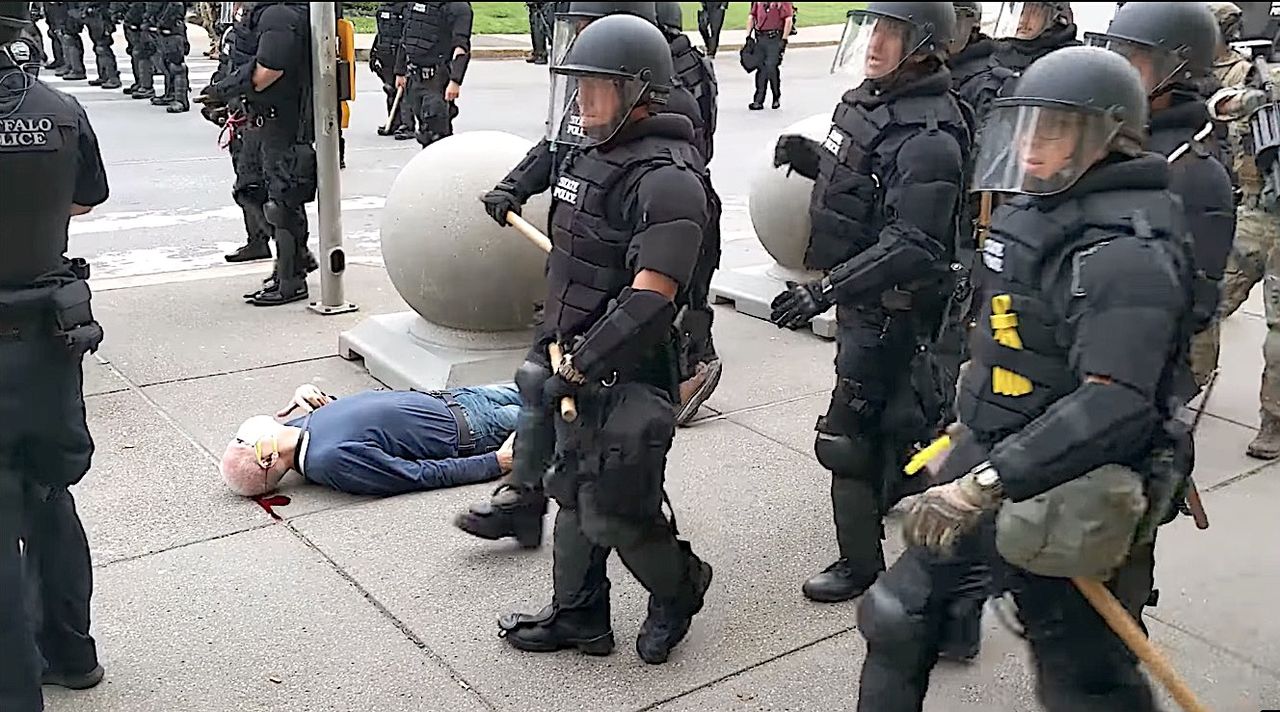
{"x": 498, "y": 203}
{"x": 798, "y": 152}
{"x": 798, "y": 305}
{"x": 943, "y": 513}
{"x": 566, "y": 381}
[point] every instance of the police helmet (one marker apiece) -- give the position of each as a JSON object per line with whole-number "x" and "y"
{"x": 1069, "y": 110}
{"x": 879, "y": 38}
{"x": 616, "y": 64}
{"x": 1168, "y": 43}
{"x": 14, "y": 17}
{"x": 670, "y": 17}
{"x": 1023, "y": 21}
{"x": 580, "y": 14}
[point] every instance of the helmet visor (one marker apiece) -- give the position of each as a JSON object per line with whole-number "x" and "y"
{"x": 873, "y": 46}
{"x": 966, "y": 20}
{"x": 1023, "y": 20}
{"x": 592, "y": 107}
{"x": 1039, "y": 150}
{"x": 566, "y": 30}
{"x": 1157, "y": 66}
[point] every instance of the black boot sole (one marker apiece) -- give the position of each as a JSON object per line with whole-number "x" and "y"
{"x": 526, "y": 530}
{"x": 277, "y": 299}
{"x": 74, "y": 682}
{"x": 658, "y": 658}
{"x": 601, "y": 645}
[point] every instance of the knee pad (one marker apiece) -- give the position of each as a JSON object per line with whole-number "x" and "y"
{"x": 884, "y": 619}
{"x": 851, "y": 456}
{"x": 529, "y": 380}
{"x": 278, "y": 214}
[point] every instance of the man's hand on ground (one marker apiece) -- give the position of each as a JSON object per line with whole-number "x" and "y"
{"x": 506, "y": 453}
{"x": 307, "y": 398}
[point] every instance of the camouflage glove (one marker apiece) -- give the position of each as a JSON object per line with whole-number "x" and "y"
{"x": 945, "y": 512}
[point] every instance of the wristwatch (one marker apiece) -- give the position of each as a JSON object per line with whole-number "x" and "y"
{"x": 986, "y": 477}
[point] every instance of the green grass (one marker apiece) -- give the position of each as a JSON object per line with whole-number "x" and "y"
{"x": 513, "y": 18}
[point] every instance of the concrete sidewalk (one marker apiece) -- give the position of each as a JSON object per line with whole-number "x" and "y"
{"x": 205, "y": 602}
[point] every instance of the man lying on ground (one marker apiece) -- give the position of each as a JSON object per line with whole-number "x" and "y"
{"x": 378, "y": 442}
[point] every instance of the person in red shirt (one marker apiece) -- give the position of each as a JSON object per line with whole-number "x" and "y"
{"x": 770, "y": 24}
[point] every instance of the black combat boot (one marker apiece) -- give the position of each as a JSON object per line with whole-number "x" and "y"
{"x": 512, "y": 511}
{"x": 111, "y": 83}
{"x": 73, "y": 681}
{"x": 255, "y": 250}
{"x": 586, "y": 627}
{"x": 668, "y": 621}
{"x": 836, "y": 583}
{"x": 144, "y": 93}
{"x": 162, "y": 100}
{"x": 96, "y": 82}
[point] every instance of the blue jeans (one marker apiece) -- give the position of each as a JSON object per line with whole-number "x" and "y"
{"x": 491, "y": 412}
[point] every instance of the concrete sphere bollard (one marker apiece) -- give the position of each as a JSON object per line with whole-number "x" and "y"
{"x": 779, "y": 203}
{"x": 447, "y": 258}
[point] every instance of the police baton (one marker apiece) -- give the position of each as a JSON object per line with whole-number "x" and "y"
{"x": 1124, "y": 626}
{"x": 395, "y": 109}
{"x": 568, "y": 408}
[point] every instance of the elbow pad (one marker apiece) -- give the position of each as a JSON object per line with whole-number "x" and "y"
{"x": 877, "y": 269}
{"x": 637, "y": 321}
{"x": 800, "y": 153}
{"x": 1095, "y": 425}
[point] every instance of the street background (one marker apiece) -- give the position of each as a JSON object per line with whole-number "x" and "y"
{"x": 204, "y": 601}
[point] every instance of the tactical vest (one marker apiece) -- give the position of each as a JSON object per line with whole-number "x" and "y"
{"x": 696, "y": 74}
{"x": 39, "y": 158}
{"x": 390, "y": 28}
{"x": 846, "y": 209}
{"x": 1241, "y": 137}
{"x": 426, "y": 33}
{"x": 290, "y": 96}
{"x": 588, "y": 263}
{"x": 1020, "y": 348}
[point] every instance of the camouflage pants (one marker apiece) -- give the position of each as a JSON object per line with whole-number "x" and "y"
{"x": 208, "y": 13}
{"x": 1255, "y": 257}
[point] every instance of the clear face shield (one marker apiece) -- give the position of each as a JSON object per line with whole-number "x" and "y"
{"x": 593, "y": 107}
{"x": 966, "y": 20}
{"x": 566, "y": 30}
{"x": 1040, "y": 150}
{"x": 1023, "y": 20}
{"x": 872, "y": 46}
{"x": 1157, "y": 67}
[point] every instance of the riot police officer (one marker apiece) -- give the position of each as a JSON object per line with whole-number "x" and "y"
{"x": 626, "y": 219}
{"x": 55, "y": 14}
{"x": 101, "y": 24}
{"x": 970, "y": 51}
{"x": 141, "y": 49}
{"x": 50, "y": 170}
{"x": 276, "y": 88}
{"x": 1024, "y": 32}
{"x": 516, "y": 508}
{"x": 430, "y": 66}
{"x": 1086, "y": 314}
{"x": 250, "y": 187}
{"x": 72, "y": 26}
{"x": 170, "y": 29}
{"x": 1173, "y": 46}
{"x": 382, "y": 58}
{"x": 897, "y": 139}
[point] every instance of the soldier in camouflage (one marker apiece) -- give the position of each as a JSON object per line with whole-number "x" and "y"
{"x": 1255, "y": 256}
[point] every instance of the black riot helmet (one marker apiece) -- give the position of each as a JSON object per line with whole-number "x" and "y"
{"x": 14, "y": 18}
{"x": 1069, "y": 110}
{"x": 670, "y": 18}
{"x": 1024, "y": 21}
{"x": 580, "y": 14}
{"x": 881, "y": 37}
{"x": 1169, "y": 43}
{"x": 968, "y": 23}
{"x": 616, "y": 64}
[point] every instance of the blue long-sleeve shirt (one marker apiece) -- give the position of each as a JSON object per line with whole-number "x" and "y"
{"x": 388, "y": 442}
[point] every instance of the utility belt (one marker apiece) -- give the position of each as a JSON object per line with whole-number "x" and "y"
{"x": 771, "y": 34}
{"x": 466, "y": 436}
{"x": 420, "y": 72}
{"x": 260, "y": 116}
{"x": 62, "y": 311}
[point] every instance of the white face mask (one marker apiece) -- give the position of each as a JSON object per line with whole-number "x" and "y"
{"x": 261, "y": 433}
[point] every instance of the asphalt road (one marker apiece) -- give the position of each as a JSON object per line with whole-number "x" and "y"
{"x": 171, "y": 208}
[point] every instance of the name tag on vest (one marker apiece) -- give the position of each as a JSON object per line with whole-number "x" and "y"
{"x": 567, "y": 190}
{"x": 834, "y": 140}
{"x": 993, "y": 254}
{"x": 385, "y": 15}
{"x": 22, "y": 134}
{"x": 419, "y": 7}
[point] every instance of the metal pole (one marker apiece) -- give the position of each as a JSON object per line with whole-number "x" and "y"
{"x": 324, "y": 82}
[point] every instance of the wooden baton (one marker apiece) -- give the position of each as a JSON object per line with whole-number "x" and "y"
{"x": 568, "y": 408}
{"x": 395, "y": 108}
{"x": 1124, "y": 626}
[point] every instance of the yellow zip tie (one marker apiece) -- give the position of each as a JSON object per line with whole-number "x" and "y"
{"x": 922, "y": 458}
{"x": 1004, "y": 325}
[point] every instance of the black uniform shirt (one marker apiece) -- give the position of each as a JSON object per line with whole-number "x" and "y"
{"x": 283, "y": 32}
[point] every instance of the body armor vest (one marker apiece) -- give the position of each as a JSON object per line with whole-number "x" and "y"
{"x": 846, "y": 210}
{"x": 588, "y": 263}
{"x": 1032, "y": 259}
{"x": 390, "y": 28}
{"x": 426, "y": 33}
{"x": 39, "y": 158}
{"x": 172, "y": 18}
{"x": 136, "y": 15}
{"x": 695, "y": 73}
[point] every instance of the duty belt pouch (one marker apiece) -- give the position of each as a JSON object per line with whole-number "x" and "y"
{"x": 632, "y": 452}
{"x": 1082, "y": 528}
{"x": 74, "y": 318}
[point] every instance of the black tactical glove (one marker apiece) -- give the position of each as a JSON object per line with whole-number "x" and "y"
{"x": 216, "y": 114}
{"x": 798, "y": 152}
{"x": 237, "y": 83}
{"x": 798, "y": 305}
{"x": 498, "y": 202}
{"x": 558, "y": 387}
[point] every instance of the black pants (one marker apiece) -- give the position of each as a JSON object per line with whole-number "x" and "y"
{"x": 72, "y": 44}
{"x": 142, "y": 56}
{"x": 770, "y": 72}
{"x": 424, "y": 106}
{"x": 539, "y": 29}
{"x": 55, "y": 21}
{"x": 289, "y": 176}
{"x": 250, "y": 187}
{"x": 699, "y": 346}
{"x": 710, "y": 22}
{"x": 1080, "y": 664}
{"x": 100, "y": 30}
{"x": 387, "y": 73}
{"x": 46, "y": 585}
{"x": 171, "y": 49}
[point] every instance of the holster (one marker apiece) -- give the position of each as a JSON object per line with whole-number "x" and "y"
{"x": 73, "y": 315}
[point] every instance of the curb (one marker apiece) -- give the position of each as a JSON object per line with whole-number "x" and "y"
{"x": 362, "y": 55}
